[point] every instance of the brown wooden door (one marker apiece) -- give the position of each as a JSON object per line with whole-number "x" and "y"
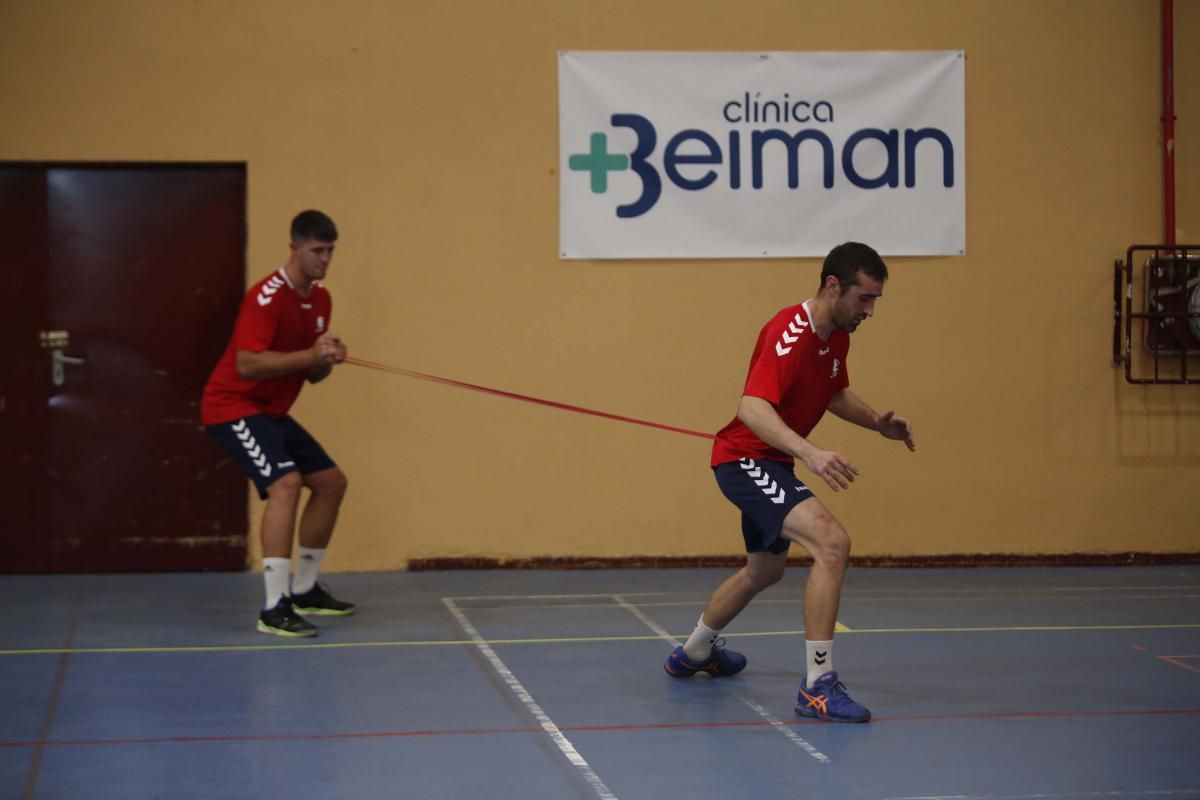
{"x": 136, "y": 272}
{"x": 24, "y": 412}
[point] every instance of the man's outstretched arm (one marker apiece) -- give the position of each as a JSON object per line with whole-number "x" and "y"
{"x": 852, "y": 408}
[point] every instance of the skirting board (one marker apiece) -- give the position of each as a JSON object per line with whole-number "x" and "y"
{"x": 891, "y": 561}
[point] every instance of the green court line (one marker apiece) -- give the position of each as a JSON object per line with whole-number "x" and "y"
{"x": 237, "y": 648}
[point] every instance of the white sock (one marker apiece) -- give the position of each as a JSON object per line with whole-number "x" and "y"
{"x": 308, "y": 566}
{"x": 700, "y": 644}
{"x": 820, "y": 659}
{"x": 275, "y": 576}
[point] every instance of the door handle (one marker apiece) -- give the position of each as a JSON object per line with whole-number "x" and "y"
{"x": 57, "y": 360}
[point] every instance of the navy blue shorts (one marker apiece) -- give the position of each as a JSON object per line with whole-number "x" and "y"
{"x": 765, "y": 491}
{"x": 267, "y": 448}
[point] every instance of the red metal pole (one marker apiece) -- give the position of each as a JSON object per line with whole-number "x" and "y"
{"x": 1168, "y": 118}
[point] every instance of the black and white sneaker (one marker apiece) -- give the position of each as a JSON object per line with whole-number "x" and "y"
{"x": 282, "y": 620}
{"x": 318, "y": 600}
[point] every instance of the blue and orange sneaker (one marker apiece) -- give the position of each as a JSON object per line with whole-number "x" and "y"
{"x": 719, "y": 664}
{"x": 827, "y": 700}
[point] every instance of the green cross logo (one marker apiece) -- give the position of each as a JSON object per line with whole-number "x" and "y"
{"x": 598, "y": 162}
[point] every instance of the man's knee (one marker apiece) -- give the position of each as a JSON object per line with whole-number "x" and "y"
{"x": 823, "y": 536}
{"x": 831, "y": 545}
{"x": 763, "y": 580}
{"x": 332, "y": 483}
{"x": 286, "y": 488}
{"x": 762, "y": 574}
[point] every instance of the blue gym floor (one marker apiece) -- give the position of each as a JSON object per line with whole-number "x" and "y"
{"x": 985, "y": 683}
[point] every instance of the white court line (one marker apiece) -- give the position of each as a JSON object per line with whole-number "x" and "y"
{"x": 1035, "y": 593}
{"x": 798, "y": 600}
{"x": 1133, "y": 587}
{"x": 1052, "y": 796}
{"x": 543, "y": 719}
{"x": 774, "y": 721}
{"x": 649, "y": 623}
{"x": 540, "y": 596}
{"x": 889, "y": 590}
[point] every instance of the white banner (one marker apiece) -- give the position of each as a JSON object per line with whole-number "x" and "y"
{"x": 751, "y": 155}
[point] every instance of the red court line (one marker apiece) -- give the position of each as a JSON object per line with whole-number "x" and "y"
{"x": 1152, "y": 712}
{"x": 1178, "y": 661}
{"x": 39, "y": 747}
{"x": 408, "y": 373}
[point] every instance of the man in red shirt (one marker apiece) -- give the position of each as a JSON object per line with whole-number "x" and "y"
{"x": 282, "y": 339}
{"x": 797, "y": 371}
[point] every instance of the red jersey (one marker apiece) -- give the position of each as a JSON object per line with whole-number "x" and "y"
{"x": 274, "y": 317}
{"x": 793, "y": 370}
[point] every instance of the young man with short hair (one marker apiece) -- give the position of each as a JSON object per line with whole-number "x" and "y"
{"x": 282, "y": 339}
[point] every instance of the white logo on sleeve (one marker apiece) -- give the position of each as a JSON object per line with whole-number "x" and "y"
{"x": 267, "y": 293}
{"x": 790, "y": 334}
{"x": 320, "y": 324}
{"x": 836, "y": 365}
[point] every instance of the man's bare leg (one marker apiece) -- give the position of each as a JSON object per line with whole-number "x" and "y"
{"x": 328, "y": 489}
{"x": 815, "y": 529}
{"x": 735, "y": 593}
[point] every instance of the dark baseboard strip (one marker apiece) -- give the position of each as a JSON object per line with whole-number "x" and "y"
{"x": 892, "y": 561}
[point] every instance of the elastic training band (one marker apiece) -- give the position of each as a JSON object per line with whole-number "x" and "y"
{"x": 408, "y": 373}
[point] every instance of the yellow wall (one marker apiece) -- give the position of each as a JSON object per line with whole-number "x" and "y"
{"x": 1187, "y": 126}
{"x": 429, "y": 132}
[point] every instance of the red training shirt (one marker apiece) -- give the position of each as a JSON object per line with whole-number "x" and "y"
{"x": 273, "y": 316}
{"x": 793, "y": 370}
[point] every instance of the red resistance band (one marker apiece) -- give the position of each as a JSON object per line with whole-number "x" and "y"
{"x": 408, "y": 373}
